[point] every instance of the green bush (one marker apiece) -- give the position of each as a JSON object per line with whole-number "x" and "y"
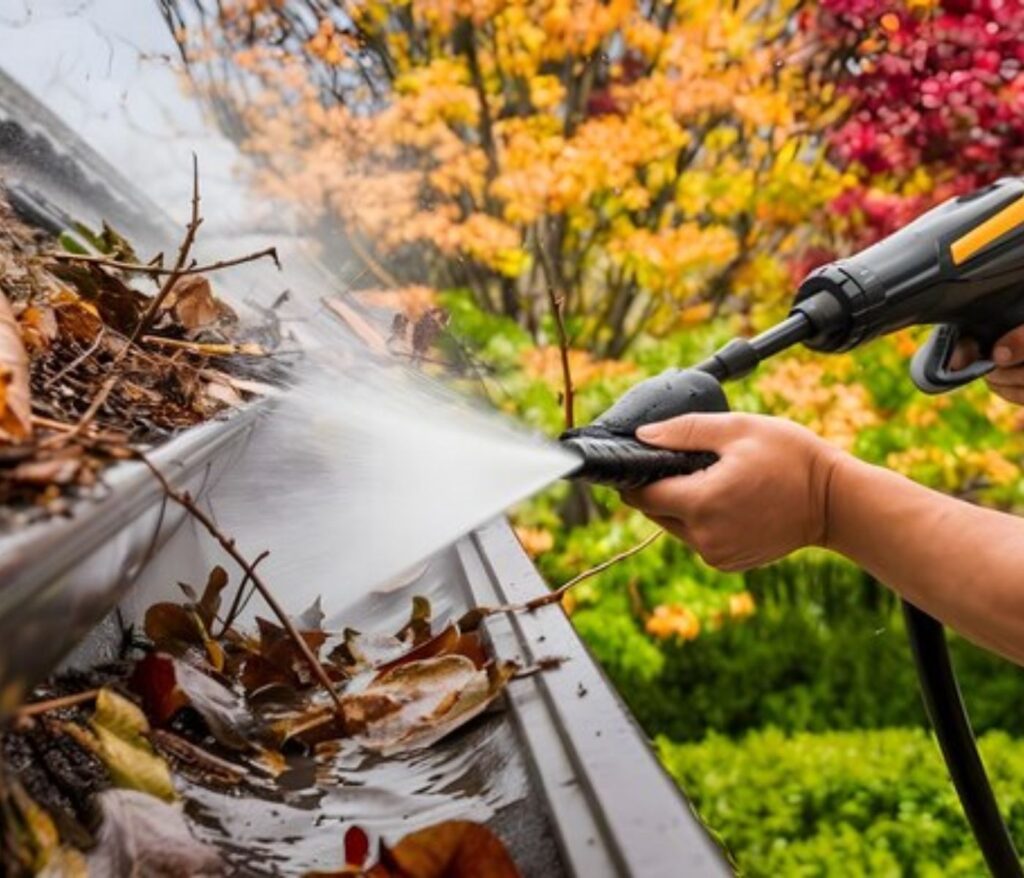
{"x": 784, "y": 668}
{"x": 875, "y": 803}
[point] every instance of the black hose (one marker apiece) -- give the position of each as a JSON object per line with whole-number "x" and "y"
{"x": 948, "y": 715}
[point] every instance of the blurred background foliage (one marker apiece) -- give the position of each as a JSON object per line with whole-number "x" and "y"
{"x": 663, "y": 173}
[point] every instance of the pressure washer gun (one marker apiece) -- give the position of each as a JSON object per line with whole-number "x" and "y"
{"x": 959, "y": 267}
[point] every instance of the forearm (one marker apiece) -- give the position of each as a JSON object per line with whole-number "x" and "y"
{"x": 961, "y": 563}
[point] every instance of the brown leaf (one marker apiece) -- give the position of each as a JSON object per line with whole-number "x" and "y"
{"x": 209, "y": 603}
{"x": 279, "y": 659}
{"x": 193, "y": 304}
{"x": 59, "y": 469}
{"x": 77, "y": 318}
{"x": 416, "y": 704}
{"x": 38, "y": 327}
{"x": 140, "y": 835}
{"x": 15, "y": 397}
{"x": 167, "y": 686}
{"x": 119, "y": 306}
{"x": 453, "y": 849}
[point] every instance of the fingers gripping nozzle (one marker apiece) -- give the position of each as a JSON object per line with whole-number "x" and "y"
{"x": 611, "y": 454}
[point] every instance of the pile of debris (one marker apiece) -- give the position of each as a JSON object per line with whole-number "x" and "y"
{"x": 91, "y": 767}
{"x": 91, "y": 362}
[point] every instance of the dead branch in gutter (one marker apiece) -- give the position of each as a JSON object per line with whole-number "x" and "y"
{"x": 159, "y": 270}
{"x": 185, "y": 501}
{"x": 39, "y": 707}
{"x": 556, "y": 595}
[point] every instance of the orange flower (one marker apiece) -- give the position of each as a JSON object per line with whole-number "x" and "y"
{"x": 741, "y": 605}
{"x": 535, "y": 540}
{"x": 673, "y": 620}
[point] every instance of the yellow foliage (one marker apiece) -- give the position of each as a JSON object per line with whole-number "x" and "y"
{"x": 813, "y": 393}
{"x": 647, "y": 155}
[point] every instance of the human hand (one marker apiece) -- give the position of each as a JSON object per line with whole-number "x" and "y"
{"x": 767, "y": 495}
{"x": 1007, "y": 379}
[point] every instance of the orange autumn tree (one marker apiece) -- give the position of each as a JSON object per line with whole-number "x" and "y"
{"x": 646, "y": 162}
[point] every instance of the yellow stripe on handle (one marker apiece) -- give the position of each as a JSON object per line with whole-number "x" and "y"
{"x": 964, "y": 247}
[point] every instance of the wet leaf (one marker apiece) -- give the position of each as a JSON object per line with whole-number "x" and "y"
{"x": 66, "y": 862}
{"x": 209, "y": 603}
{"x": 27, "y": 827}
{"x": 453, "y": 849}
{"x": 279, "y": 659}
{"x": 121, "y": 732}
{"x": 418, "y": 627}
{"x": 312, "y": 618}
{"x": 168, "y": 685}
{"x": 418, "y": 703}
{"x": 142, "y": 836}
{"x": 15, "y": 397}
{"x": 176, "y": 628}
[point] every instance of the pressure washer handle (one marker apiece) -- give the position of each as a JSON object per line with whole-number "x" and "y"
{"x": 959, "y": 267}
{"x": 609, "y": 452}
{"x": 624, "y": 463}
{"x": 929, "y": 369}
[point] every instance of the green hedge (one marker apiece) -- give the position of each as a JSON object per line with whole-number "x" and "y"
{"x": 875, "y": 803}
{"x": 786, "y": 669}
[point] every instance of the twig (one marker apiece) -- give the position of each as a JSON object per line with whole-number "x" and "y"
{"x": 108, "y": 385}
{"x": 185, "y": 501}
{"x": 179, "y": 265}
{"x": 38, "y": 707}
{"x": 77, "y": 361}
{"x": 555, "y": 596}
{"x": 159, "y": 270}
{"x": 568, "y": 391}
{"x": 235, "y": 607}
{"x": 376, "y": 269}
{"x": 545, "y": 663}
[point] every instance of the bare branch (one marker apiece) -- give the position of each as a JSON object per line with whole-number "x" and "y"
{"x": 228, "y": 544}
{"x": 159, "y": 270}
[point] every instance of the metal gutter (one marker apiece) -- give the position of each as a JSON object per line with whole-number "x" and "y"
{"x": 614, "y": 809}
{"x": 60, "y": 577}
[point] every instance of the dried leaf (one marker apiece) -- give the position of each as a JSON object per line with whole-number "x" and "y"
{"x": 167, "y": 685}
{"x": 194, "y": 306}
{"x": 118, "y": 305}
{"x": 15, "y": 397}
{"x": 142, "y": 836}
{"x": 121, "y": 732}
{"x": 453, "y": 849}
{"x": 38, "y": 327}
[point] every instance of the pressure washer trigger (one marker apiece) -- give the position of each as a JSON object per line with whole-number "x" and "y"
{"x": 929, "y": 369}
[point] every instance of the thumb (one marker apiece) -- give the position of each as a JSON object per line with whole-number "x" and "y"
{"x": 704, "y": 431}
{"x": 1010, "y": 348}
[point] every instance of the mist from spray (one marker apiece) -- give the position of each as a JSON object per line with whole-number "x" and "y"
{"x": 363, "y": 469}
